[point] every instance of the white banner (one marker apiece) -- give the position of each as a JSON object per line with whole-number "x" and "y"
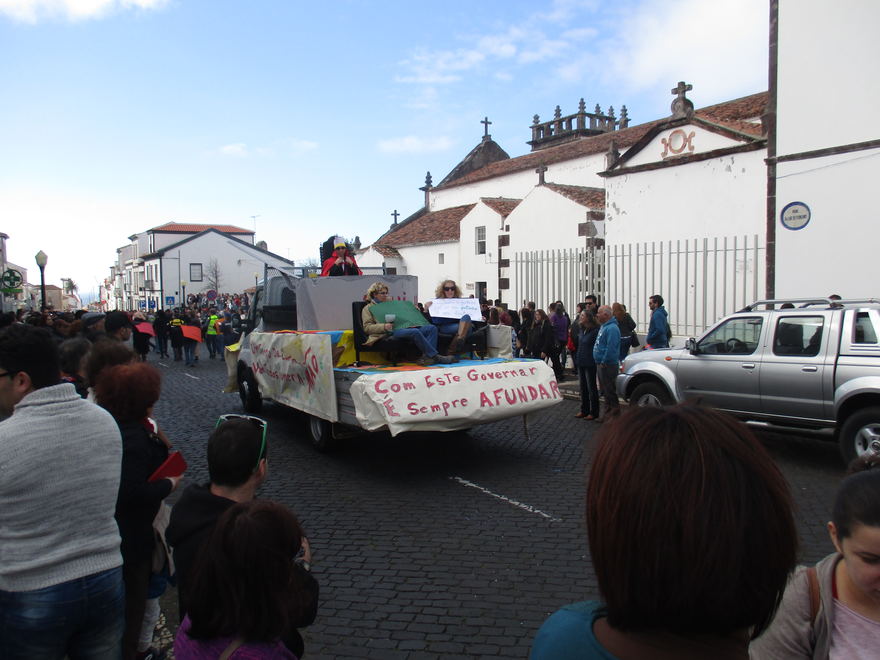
{"x": 454, "y": 397}
{"x": 455, "y": 308}
{"x": 296, "y": 370}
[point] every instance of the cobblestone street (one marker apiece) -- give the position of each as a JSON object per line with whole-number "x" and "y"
{"x": 455, "y": 544}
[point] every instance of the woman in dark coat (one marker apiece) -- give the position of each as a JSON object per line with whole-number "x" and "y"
{"x": 160, "y": 326}
{"x": 522, "y": 335}
{"x": 627, "y": 328}
{"x": 585, "y": 339}
{"x": 128, "y": 392}
{"x": 542, "y": 341}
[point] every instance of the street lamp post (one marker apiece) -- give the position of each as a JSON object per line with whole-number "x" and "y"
{"x": 183, "y": 288}
{"x": 256, "y": 281}
{"x": 42, "y": 259}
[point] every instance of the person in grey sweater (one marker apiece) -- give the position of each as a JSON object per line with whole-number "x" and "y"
{"x": 61, "y": 587}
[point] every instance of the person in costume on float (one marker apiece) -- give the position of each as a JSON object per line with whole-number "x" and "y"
{"x": 341, "y": 261}
{"x": 460, "y": 328}
{"x": 401, "y": 323}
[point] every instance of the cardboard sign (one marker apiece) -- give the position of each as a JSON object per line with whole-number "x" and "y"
{"x": 445, "y": 399}
{"x": 296, "y": 370}
{"x": 455, "y": 308}
{"x": 406, "y": 315}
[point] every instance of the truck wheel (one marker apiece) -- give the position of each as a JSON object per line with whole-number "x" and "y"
{"x": 321, "y": 434}
{"x": 249, "y": 391}
{"x": 650, "y": 394}
{"x": 858, "y": 431}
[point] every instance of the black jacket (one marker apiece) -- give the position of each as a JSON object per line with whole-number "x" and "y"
{"x": 138, "y": 501}
{"x": 192, "y": 520}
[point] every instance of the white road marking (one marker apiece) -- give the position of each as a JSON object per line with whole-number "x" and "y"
{"x": 191, "y": 376}
{"x": 162, "y": 363}
{"x": 503, "y": 498}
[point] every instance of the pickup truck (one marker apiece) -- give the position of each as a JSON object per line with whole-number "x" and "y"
{"x": 813, "y": 365}
{"x": 297, "y": 350}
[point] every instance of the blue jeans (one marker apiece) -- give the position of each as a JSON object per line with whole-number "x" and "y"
{"x": 589, "y": 390}
{"x": 83, "y": 619}
{"x": 451, "y": 327}
{"x": 189, "y": 352}
{"x": 424, "y": 337}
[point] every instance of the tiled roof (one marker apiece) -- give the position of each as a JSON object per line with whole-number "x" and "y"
{"x": 188, "y": 228}
{"x": 501, "y": 205}
{"x": 593, "y": 198}
{"x": 748, "y": 107}
{"x": 434, "y": 227}
{"x": 387, "y": 251}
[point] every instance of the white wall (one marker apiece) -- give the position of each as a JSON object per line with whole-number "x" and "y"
{"x": 479, "y": 267}
{"x": 422, "y": 261}
{"x": 370, "y": 258}
{"x": 827, "y": 81}
{"x": 717, "y": 197}
{"x": 545, "y": 220}
{"x": 701, "y": 141}
{"x": 837, "y": 252}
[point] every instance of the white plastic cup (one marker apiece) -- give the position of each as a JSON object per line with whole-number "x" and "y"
{"x": 389, "y": 318}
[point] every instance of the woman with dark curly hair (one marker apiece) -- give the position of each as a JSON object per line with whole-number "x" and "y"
{"x": 247, "y": 588}
{"x": 128, "y": 392}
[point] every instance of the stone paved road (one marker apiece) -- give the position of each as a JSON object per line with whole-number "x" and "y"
{"x": 453, "y": 545}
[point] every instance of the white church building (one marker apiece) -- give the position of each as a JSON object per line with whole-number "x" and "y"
{"x": 712, "y": 208}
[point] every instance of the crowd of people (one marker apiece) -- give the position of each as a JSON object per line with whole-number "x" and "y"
{"x": 87, "y": 543}
{"x": 689, "y": 521}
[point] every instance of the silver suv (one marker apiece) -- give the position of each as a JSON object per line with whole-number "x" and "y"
{"x": 814, "y": 365}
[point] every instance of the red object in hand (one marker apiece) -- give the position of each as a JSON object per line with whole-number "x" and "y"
{"x": 173, "y": 466}
{"x": 145, "y": 328}
{"x": 191, "y": 332}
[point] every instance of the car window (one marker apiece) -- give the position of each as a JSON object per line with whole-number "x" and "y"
{"x": 863, "y": 330}
{"x": 739, "y": 336}
{"x": 798, "y": 335}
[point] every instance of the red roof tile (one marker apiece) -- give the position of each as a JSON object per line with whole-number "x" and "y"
{"x": 434, "y": 227}
{"x": 387, "y": 251}
{"x": 501, "y": 205}
{"x": 189, "y": 228}
{"x": 747, "y": 107}
{"x": 593, "y": 198}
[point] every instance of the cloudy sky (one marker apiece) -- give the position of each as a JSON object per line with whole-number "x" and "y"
{"x": 318, "y": 118}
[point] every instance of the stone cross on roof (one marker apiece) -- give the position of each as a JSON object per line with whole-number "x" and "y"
{"x": 485, "y": 122}
{"x": 541, "y": 169}
{"x": 681, "y": 104}
{"x": 395, "y": 215}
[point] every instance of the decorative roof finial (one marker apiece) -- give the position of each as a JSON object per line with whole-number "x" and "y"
{"x": 582, "y": 107}
{"x": 557, "y": 113}
{"x": 624, "y": 117}
{"x": 485, "y": 122}
{"x": 682, "y": 107}
{"x": 597, "y": 110}
{"x": 611, "y": 111}
{"x": 536, "y": 120}
{"x": 428, "y": 180}
{"x": 541, "y": 169}
{"x": 395, "y": 215}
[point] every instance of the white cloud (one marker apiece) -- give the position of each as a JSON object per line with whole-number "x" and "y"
{"x": 32, "y": 11}
{"x": 719, "y": 46}
{"x": 302, "y": 146}
{"x": 236, "y": 149}
{"x": 411, "y": 144}
{"x": 439, "y": 67}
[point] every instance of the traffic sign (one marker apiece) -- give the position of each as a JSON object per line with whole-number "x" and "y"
{"x": 152, "y": 304}
{"x": 211, "y": 295}
{"x": 11, "y": 278}
{"x": 169, "y": 301}
{"x": 142, "y": 304}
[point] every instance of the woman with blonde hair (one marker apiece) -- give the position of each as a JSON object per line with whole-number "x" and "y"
{"x": 461, "y": 328}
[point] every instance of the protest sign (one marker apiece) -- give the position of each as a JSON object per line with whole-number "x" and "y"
{"x": 296, "y": 370}
{"x": 455, "y": 308}
{"x": 444, "y": 399}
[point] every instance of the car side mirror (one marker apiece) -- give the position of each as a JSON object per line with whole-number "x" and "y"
{"x": 691, "y": 346}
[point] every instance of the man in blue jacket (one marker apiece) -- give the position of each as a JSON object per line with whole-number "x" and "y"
{"x": 658, "y": 328}
{"x": 606, "y": 353}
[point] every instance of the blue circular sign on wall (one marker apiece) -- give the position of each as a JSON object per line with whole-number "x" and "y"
{"x": 795, "y": 215}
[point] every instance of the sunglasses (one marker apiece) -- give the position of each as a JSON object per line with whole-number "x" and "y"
{"x": 258, "y": 422}
{"x": 449, "y": 288}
